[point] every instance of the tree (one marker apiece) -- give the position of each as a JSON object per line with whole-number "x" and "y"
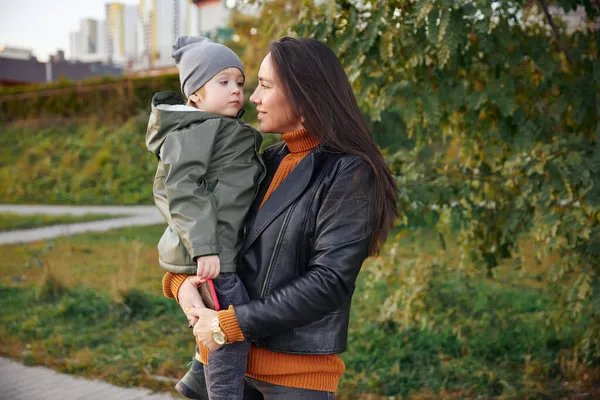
{"x": 503, "y": 107}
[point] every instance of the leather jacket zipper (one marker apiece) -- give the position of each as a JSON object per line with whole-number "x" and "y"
{"x": 276, "y": 251}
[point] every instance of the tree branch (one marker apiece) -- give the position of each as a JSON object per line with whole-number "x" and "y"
{"x": 556, "y": 32}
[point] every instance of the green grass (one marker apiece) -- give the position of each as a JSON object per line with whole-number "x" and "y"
{"x": 101, "y": 314}
{"x": 78, "y": 163}
{"x": 85, "y": 163}
{"x": 479, "y": 339}
{"x": 92, "y": 305}
{"x": 85, "y": 332}
{"x": 10, "y": 221}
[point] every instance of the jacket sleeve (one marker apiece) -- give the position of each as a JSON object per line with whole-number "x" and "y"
{"x": 186, "y": 155}
{"x": 341, "y": 244}
{"x": 238, "y": 182}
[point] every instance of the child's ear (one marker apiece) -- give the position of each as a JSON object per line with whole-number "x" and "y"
{"x": 194, "y": 98}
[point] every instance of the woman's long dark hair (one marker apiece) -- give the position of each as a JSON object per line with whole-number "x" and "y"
{"x": 318, "y": 90}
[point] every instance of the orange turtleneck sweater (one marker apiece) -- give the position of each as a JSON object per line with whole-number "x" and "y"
{"x": 315, "y": 372}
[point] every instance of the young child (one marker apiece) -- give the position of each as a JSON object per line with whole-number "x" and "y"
{"x": 207, "y": 176}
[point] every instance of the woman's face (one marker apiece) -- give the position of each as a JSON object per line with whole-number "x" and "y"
{"x": 275, "y": 114}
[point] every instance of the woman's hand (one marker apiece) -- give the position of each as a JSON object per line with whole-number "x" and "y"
{"x": 203, "y": 327}
{"x": 189, "y": 297}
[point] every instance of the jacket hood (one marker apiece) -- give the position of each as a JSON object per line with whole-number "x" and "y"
{"x": 169, "y": 113}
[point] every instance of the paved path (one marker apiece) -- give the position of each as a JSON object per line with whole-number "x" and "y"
{"x": 18, "y": 382}
{"x": 128, "y": 216}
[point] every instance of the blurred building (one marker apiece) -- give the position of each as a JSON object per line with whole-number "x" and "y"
{"x": 89, "y": 43}
{"x": 122, "y": 30}
{"x": 18, "y": 53}
{"x": 212, "y": 15}
{"x": 20, "y": 67}
{"x": 161, "y": 21}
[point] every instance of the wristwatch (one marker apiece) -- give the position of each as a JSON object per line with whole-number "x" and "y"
{"x": 217, "y": 333}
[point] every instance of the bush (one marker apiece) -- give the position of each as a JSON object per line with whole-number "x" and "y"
{"x": 422, "y": 325}
{"x": 112, "y": 100}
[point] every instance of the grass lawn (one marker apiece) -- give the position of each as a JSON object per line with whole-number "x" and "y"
{"x": 11, "y": 222}
{"x": 101, "y": 314}
{"x": 92, "y": 305}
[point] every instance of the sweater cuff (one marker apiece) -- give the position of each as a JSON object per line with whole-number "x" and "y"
{"x": 204, "y": 352}
{"x": 171, "y": 283}
{"x": 230, "y": 326}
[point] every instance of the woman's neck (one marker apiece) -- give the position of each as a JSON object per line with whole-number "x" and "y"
{"x": 299, "y": 141}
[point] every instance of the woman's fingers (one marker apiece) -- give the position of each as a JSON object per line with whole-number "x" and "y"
{"x": 196, "y": 312}
{"x": 203, "y": 328}
{"x": 204, "y": 317}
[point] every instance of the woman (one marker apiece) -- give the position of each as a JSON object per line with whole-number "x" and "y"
{"x": 327, "y": 202}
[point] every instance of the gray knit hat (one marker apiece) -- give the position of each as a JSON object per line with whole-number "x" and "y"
{"x": 199, "y": 59}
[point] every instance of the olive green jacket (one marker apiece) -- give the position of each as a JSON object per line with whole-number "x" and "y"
{"x": 208, "y": 173}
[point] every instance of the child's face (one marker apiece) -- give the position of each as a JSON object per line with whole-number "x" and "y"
{"x": 223, "y": 93}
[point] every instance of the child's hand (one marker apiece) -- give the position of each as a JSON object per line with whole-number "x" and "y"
{"x": 208, "y": 267}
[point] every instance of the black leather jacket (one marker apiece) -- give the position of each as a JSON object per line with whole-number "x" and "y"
{"x": 302, "y": 253}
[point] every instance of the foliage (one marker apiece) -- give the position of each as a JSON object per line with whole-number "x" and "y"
{"x": 496, "y": 117}
{"x": 456, "y": 333}
{"x": 503, "y": 110}
{"x": 59, "y": 84}
{"x": 254, "y": 31}
{"x": 419, "y": 322}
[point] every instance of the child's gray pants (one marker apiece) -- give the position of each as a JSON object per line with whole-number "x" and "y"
{"x": 227, "y": 366}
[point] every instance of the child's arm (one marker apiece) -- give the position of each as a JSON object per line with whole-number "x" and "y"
{"x": 186, "y": 155}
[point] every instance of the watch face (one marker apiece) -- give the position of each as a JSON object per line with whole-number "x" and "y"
{"x": 218, "y": 338}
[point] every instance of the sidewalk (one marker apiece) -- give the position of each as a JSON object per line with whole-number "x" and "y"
{"x": 18, "y": 382}
{"x": 127, "y": 216}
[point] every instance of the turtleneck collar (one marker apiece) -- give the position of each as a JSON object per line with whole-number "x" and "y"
{"x": 299, "y": 141}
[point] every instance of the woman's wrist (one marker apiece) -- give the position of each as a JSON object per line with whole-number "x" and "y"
{"x": 230, "y": 326}
{"x": 171, "y": 283}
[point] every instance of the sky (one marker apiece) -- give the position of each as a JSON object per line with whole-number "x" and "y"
{"x": 43, "y": 25}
